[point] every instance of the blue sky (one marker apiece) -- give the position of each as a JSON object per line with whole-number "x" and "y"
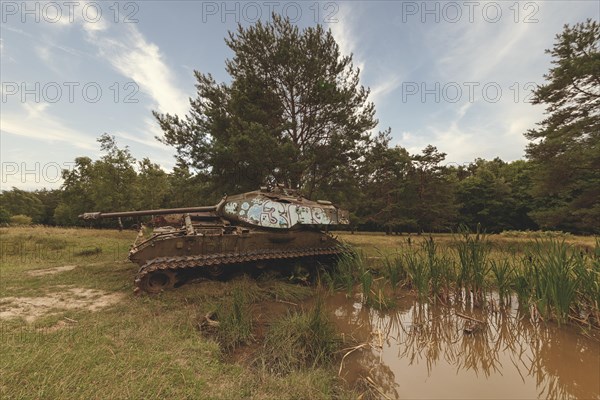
{"x": 456, "y": 75}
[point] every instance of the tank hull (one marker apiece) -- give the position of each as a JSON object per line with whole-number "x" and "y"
{"x": 169, "y": 258}
{"x": 237, "y": 241}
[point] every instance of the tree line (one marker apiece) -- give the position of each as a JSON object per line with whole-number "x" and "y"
{"x": 393, "y": 191}
{"x": 294, "y": 112}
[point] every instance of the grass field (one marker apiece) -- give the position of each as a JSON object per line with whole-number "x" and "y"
{"x": 134, "y": 346}
{"x": 501, "y": 244}
{"x": 72, "y": 328}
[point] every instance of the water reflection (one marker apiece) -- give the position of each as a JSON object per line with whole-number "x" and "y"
{"x": 429, "y": 351}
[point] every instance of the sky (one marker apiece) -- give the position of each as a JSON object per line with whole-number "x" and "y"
{"x": 457, "y": 75}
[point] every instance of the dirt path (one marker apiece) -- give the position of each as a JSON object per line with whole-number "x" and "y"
{"x": 51, "y": 271}
{"x": 69, "y": 298}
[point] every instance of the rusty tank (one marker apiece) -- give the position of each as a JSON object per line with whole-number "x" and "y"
{"x": 261, "y": 228}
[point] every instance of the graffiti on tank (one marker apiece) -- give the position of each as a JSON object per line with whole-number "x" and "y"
{"x": 274, "y": 214}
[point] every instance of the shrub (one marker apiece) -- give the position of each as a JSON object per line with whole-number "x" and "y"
{"x": 20, "y": 220}
{"x": 4, "y": 216}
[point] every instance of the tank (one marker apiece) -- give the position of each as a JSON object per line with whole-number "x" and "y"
{"x": 270, "y": 226}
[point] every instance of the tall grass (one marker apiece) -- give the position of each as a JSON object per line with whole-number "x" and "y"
{"x": 393, "y": 269}
{"x": 588, "y": 287}
{"x": 366, "y": 282}
{"x": 473, "y": 251}
{"x": 299, "y": 340}
{"x": 350, "y": 265}
{"x": 418, "y": 274}
{"x": 504, "y": 274}
{"x": 558, "y": 280}
{"x": 522, "y": 282}
{"x": 555, "y": 278}
{"x": 235, "y": 321}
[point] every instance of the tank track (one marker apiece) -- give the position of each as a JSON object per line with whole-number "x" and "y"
{"x": 177, "y": 264}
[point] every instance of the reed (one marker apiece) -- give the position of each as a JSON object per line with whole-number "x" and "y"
{"x": 555, "y": 278}
{"x": 393, "y": 269}
{"x": 473, "y": 251}
{"x": 436, "y": 267}
{"x": 366, "y": 281}
{"x": 522, "y": 283}
{"x": 418, "y": 274}
{"x": 504, "y": 274}
{"x": 350, "y": 265}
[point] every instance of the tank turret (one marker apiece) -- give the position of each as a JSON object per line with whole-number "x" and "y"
{"x": 267, "y": 226}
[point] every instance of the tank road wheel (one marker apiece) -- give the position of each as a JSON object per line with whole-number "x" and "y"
{"x": 157, "y": 281}
{"x": 215, "y": 271}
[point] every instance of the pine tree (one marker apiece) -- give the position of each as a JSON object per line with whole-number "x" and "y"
{"x": 565, "y": 149}
{"x": 294, "y": 112}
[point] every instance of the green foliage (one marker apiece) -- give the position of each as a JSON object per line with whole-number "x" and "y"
{"x": 496, "y": 195}
{"x": 565, "y": 150}
{"x": 20, "y": 202}
{"x": 435, "y": 265}
{"x": 366, "y": 282}
{"x": 187, "y": 189}
{"x": 117, "y": 182}
{"x": 433, "y": 185}
{"x": 4, "y": 215}
{"x": 114, "y": 185}
{"x": 50, "y": 200}
{"x": 21, "y": 220}
{"x": 153, "y": 185}
{"x": 403, "y": 192}
{"x": 294, "y": 112}
{"x": 77, "y": 191}
{"x": 64, "y": 215}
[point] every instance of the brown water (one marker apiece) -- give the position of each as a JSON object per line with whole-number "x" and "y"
{"x": 420, "y": 351}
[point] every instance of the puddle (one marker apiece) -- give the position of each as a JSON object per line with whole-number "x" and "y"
{"x": 31, "y": 308}
{"x": 429, "y": 352}
{"x": 51, "y": 271}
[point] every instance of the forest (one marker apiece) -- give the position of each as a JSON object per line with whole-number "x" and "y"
{"x": 295, "y": 113}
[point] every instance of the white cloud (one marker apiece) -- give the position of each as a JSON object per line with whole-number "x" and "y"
{"x": 36, "y": 120}
{"x": 386, "y": 86}
{"x": 43, "y": 53}
{"x": 129, "y": 53}
{"x": 344, "y": 35}
{"x": 151, "y": 130}
{"x": 4, "y": 54}
{"x": 97, "y": 26}
{"x": 342, "y": 32}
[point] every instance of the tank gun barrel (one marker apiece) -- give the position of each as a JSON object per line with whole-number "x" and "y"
{"x": 164, "y": 211}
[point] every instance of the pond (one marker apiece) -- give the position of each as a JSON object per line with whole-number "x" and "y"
{"x": 461, "y": 351}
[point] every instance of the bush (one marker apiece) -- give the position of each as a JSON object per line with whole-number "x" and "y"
{"x": 4, "y": 216}
{"x": 20, "y": 220}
